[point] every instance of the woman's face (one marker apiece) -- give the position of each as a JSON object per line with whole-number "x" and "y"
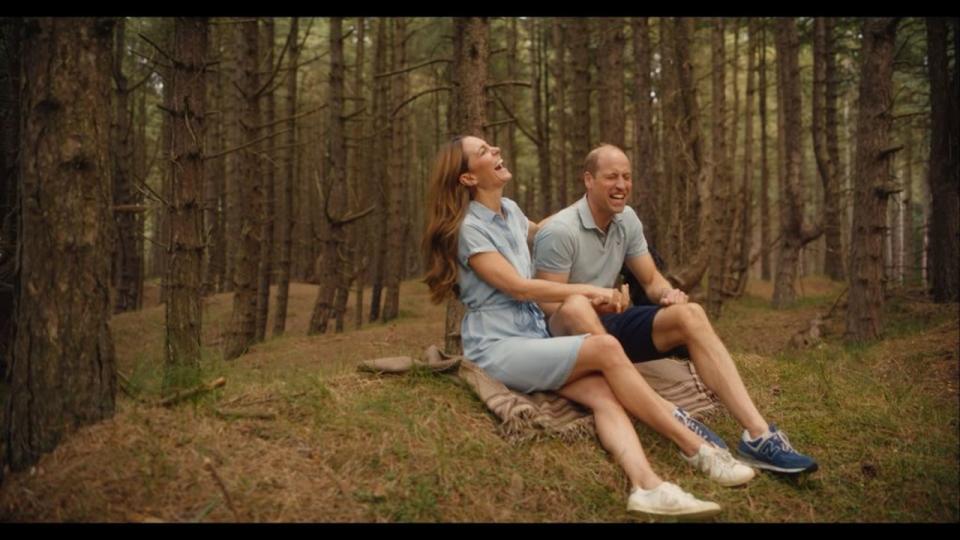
{"x": 485, "y": 168}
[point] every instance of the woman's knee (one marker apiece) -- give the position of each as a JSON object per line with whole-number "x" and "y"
{"x": 603, "y": 351}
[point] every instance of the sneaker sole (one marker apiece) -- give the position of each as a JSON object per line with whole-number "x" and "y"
{"x": 700, "y": 514}
{"x": 766, "y": 466}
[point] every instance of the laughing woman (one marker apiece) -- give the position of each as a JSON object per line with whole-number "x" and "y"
{"x": 476, "y": 244}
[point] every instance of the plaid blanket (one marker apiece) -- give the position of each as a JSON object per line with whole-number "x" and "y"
{"x": 526, "y": 416}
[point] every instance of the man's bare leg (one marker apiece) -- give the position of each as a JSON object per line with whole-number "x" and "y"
{"x": 687, "y": 324}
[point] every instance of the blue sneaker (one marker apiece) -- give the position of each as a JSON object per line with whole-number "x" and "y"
{"x": 697, "y": 427}
{"x": 772, "y": 451}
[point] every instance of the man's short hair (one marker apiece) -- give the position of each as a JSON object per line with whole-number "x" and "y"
{"x": 590, "y": 163}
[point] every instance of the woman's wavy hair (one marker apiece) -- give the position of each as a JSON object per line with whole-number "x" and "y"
{"x": 447, "y": 205}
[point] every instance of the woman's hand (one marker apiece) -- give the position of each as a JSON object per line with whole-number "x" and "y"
{"x": 609, "y": 300}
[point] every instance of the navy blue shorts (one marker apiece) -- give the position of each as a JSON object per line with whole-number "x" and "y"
{"x": 634, "y": 330}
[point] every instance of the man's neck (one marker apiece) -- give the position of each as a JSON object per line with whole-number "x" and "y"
{"x": 600, "y": 219}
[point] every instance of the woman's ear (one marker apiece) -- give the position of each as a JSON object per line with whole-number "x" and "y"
{"x": 468, "y": 179}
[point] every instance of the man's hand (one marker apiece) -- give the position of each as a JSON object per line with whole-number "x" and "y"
{"x": 673, "y": 296}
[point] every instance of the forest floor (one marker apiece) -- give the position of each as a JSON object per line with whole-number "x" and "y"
{"x": 336, "y": 445}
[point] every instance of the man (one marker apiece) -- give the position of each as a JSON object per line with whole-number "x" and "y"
{"x": 589, "y": 242}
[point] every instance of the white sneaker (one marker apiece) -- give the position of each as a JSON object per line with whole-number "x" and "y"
{"x": 669, "y": 500}
{"x": 720, "y": 466}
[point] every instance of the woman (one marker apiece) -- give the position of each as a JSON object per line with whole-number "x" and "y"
{"x": 476, "y": 245}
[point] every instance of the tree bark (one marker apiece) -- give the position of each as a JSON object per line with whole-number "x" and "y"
{"x": 824, "y": 128}
{"x": 696, "y": 181}
{"x": 765, "y": 272}
{"x": 335, "y": 196}
{"x": 540, "y": 118}
{"x": 944, "y": 173}
{"x": 741, "y": 267}
{"x": 578, "y": 34}
{"x": 267, "y": 179}
{"x": 63, "y": 372}
{"x": 795, "y": 233}
{"x": 183, "y": 309}
{"x": 214, "y": 173}
{"x": 722, "y": 224}
{"x": 11, "y": 39}
{"x": 610, "y": 101}
{"x": 472, "y": 73}
{"x": 362, "y": 171}
{"x": 397, "y": 160}
{"x": 873, "y": 183}
{"x": 381, "y": 120}
{"x": 645, "y": 194}
{"x": 126, "y": 258}
{"x": 249, "y": 197}
{"x": 285, "y": 206}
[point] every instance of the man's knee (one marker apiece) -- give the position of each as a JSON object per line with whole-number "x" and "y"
{"x": 576, "y": 315}
{"x": 691, "y": 319}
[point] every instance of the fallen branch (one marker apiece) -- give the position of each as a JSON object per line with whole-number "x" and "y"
{"x": 223, "y": 489}
{"x": 199, "y": 389}
{"x": 258, "y": 415}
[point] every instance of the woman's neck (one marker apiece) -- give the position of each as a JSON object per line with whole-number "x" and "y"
{"x": 490, "y": 199}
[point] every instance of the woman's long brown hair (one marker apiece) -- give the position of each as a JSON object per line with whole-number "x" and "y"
{"x": 447, "y": 205}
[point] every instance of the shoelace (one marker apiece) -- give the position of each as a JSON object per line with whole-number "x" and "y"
{"x": 720, "y": 460}
{"x": 672, "y": 494}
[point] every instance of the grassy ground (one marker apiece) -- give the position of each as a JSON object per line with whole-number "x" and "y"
{"x": 345, "y": 446}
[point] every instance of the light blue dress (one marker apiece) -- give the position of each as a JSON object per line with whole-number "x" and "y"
{"x": 505, "y": 337}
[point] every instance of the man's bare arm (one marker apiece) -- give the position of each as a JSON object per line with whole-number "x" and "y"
{"x": 656, "y": 286}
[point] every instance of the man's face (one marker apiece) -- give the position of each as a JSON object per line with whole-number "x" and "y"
{"x": 609, "y": 188}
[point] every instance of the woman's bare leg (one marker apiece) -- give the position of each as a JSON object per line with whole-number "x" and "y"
{"x": 614, "y": 428}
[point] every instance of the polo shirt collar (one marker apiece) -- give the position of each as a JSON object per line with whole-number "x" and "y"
{"x": 586, "y": 216}
{"x": 485, "y": 213}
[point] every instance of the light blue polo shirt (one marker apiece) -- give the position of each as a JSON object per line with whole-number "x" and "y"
{"x": 571, "y": 243}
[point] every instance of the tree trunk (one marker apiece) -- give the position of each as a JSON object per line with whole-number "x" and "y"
{"x": 909, "y": 253}
{"x": 335, "y": 196}
{"x": 285, "y": 206}
{"x": 795, "y": 234}
{"x": 63, "y": 372}
{"x": 560, "y": 75}
{"x": 873, "y": 182}
{"x": 671, "y": 234}
{"x": 578, "y": 34}
{"x": 696, "y": 181}
{"x": 471, "y": 72}
{"x": 267, "y": 179}
{"x": 739, "y": 272}
{"x": 380, "y": 138}
{"x": 126, "y": 258}
{"x": 722, "y": 224}
{"x": 645, "y": 195}
{"x": 183, "y": 309}
{"x": 824, "y": 120}
{"x": 944, "y": 174}
{"x": 362, "y": 171}
{"x": 765, "y": 272}
{"x": 610, "y": 102}
{"x": 396, "y": 209}
{"x": 214, "y": 173}
{"x": 540, "y": 116}
{"x": 11, "y": 40}
{"x": 161, "y": 244}
{"x": 249, "y": 198}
